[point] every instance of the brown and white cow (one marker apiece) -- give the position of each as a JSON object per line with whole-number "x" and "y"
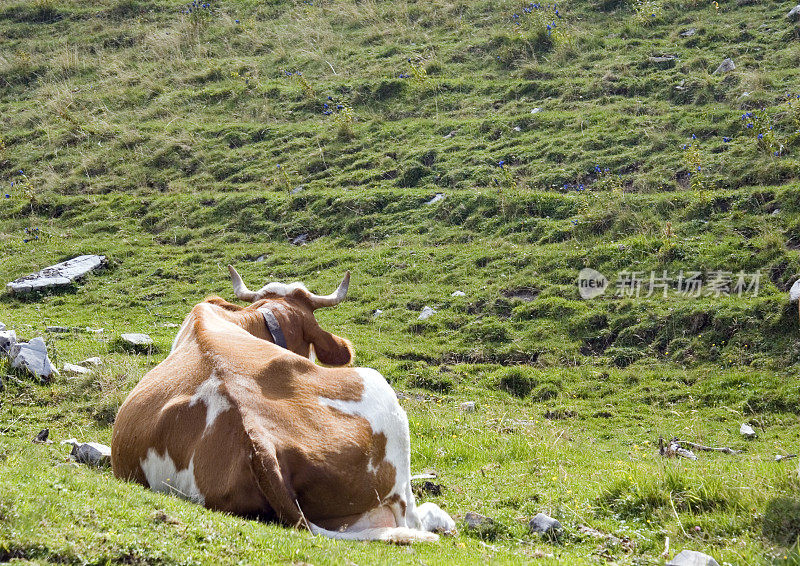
{"x": 237, "y": 423}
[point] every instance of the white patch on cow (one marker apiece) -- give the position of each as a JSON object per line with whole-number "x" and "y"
{"x": 280, "y": 289}
{"x": 379, "y": 406}
{"x": 209, "y": 393}
{"x": 164, "y": 477}
{"x": 794, "y": 292}
{"x": 312, "y": 355}
{"x": 433, "y": 519}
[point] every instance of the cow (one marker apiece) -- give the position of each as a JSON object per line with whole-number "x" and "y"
{"x": 239, "y": 418}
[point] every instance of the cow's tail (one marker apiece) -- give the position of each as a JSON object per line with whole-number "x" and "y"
{"x": 394, "y": 535}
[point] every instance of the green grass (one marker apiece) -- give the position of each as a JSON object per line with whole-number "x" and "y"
{"x": 177, "y": 143}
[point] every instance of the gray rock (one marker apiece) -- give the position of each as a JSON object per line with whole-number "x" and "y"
{"x": 32, "y": 356}
{"x": 300, "y": 240}
{"x": 436, "y": 198}
{"x": 747, "y": 431}
{"x": 75, "y": 369}
{"x": 137, "y": 340}
{"x": 517, "y": 129}
{"x": 663, "y": 62}
{"x": 91, "y": 362}
{"x": 458, "y": 294}
{"x": 468, "y": 406}
{"x": 543, "y": 524}
{"x": 536, "y": 110}
{"x": 377, "y": 313}
{"x": 92, "y": 453}
{"x": 426, "y": 313}
{"x": 298, "y": 189}
{"x": 450, "y": 135}
{"x": 476, "y": 520}
{"x": 726, "y": 66}
{"x": 58, "y": 275}
{"x": 794, "y": 14}
{"x": 692, "y": 558}
{"x": 57, "y": 329}
{"x": 689, "y": 32}
{"x": 2, "y": 326}
{"x": 7, "y": 339}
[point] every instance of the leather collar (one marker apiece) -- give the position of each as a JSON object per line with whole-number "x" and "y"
{"x": 273, "y": 327}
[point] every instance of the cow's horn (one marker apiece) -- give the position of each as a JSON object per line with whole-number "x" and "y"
{"x": 335, "y": 298}
{"x": 239, "y": 288}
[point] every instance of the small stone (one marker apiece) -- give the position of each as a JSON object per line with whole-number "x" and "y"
{"x": 776, "y": 212}
{"x": 57, "y": 329}
{"x": 2, "y": 326}
{"x": 436, "y": 198}
{"x": 137, "y": 339}
{"x": 692, "y": 558}
{"x": 32, "y": 356}
{"x": 92, "y": 453}
{"x": 794, "y": 14}
{"x": 536, "y": 110}
{"x": 300, "y": 240}
{"x": 297, "y": 189}
{"x": 726, "y": 66}
{"x": 747, "y": 431}
{"x": 476, "y": 520}
{"x": 377, "y": 313}
{"x": 517, "y": 129}
{"x": 450, "y": 135}
{"x": 7, "y": 339}
{"x": 468, "y": 406}
{"x": 260, "y": 258}
{"x": 794, "y": 294}
{"x": 426, "y": 313}
{"x": 41, "y": 438}
{"x": 663, "y": 62}
{"x": 75, "y": 369}
{"x": 689, "y": 32}
{"x": 458, "y": 294}
{"x": 91, "y": 362}
{"x": 543, "y": 524}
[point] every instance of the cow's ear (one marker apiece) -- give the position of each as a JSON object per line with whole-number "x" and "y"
{"x": 220, "y": 302}
{"x": 330, "y": 349}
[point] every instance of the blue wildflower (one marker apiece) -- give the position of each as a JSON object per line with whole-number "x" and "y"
{"x": 749, "y": 125}
{"x": 501, "y": 163}
{"x": 237, "y": 21}
{"x": 8, "y": 195}
{"x": 761, "y": 136}
{"x": 726, "y": 140}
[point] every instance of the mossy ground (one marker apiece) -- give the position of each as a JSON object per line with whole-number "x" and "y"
{"x": 175, "y": 143}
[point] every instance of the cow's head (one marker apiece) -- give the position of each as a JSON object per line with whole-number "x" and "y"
{"x": 291, "y": 307}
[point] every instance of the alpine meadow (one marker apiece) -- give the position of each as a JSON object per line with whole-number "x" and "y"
{"x": 572, "y": 230}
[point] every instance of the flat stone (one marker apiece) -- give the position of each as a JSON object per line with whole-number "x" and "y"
{"x": 57, "y": 329}
{"x": 436, "y": 198}
{"x": 689, "y": 32}
{"x": 468, "y": 406}
{"x": 75, "y": 369}
{"x": 92, "y": 453}
{"x": 544, "y": 524}
{"x": 747, "y": 431}
{"x": 458, "y": 294}
{"x": 32, "y": 356}
{"x": 377, "y": 313}
{"x": 300, "y": 240}
{"x": 663, "y": 62}
{"x": 96, "y": 361}
{"x": 57, "y": 275}
{"x": 726, "y": 66}
{"x": 426, "y": 313}
{"x": 794, "y": 13}
{"x": 137, "y": 339}
{"x": 7, "y": 339}
{"x": 476, "y": 520}
{"x": 536, "y": 110}
{"x": 692, "y": 558}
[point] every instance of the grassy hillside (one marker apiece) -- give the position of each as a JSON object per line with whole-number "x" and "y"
{"x": 177, "y": 138}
